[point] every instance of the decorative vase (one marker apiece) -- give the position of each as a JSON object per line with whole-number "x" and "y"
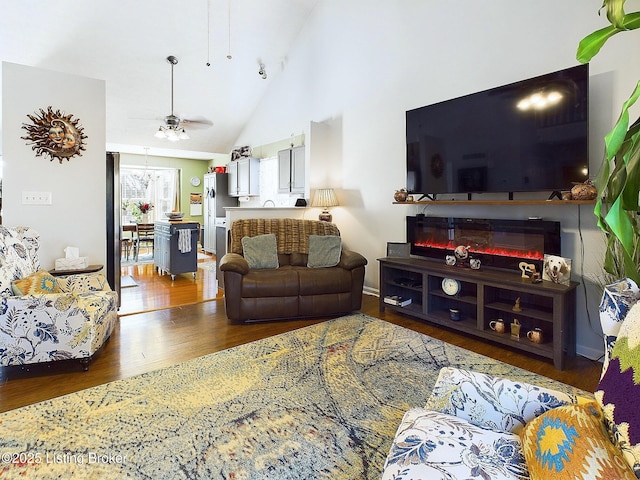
{"x": 144, "y": 218}
{"x": 584, "y": 191}
{"x": 400, "y": 195}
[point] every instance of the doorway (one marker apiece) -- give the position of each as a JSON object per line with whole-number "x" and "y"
{"x": 127, "y": 188}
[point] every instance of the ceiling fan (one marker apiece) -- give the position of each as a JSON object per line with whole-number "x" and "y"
{"x": 173, "y": 128}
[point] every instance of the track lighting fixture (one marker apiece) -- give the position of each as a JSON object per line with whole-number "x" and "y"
{"x": 262, "y": 72}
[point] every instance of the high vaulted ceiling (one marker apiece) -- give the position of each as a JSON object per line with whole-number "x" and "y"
{"x": 126, "y": 44}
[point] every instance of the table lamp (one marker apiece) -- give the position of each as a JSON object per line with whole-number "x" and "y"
{"x": 325, "y": 198}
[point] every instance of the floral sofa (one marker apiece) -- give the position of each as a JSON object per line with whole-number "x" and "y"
{"x": 45, "y": 318}
{"x": 478, "y": 426}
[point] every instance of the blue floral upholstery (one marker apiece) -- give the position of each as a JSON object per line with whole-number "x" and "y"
{"x": 492, "y": 402}
{"x": 471, "y": 423}
{"x": 49, "y": 326}
{"x": 617, "y": 300}
{"x": 433, "y": 445}
{"x": 469, "y": 428}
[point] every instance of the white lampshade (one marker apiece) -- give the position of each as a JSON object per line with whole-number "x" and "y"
{"x": 325, "y": 197}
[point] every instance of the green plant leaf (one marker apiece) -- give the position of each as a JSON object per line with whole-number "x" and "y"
{"x": 615, "y": 12}
{"x": 615, "y": 138}
{"x": 632, "y": 165}
{"x": 590, "y": 45}
{"x": 620, "y": 225}
{"x": 618, "y": 181}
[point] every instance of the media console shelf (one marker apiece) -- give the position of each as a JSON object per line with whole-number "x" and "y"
{"x": 498, "y": 202}
{"x": 485, "y": 295}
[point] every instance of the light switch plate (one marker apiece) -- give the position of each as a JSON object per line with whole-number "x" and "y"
{"x": 36, "y": 198}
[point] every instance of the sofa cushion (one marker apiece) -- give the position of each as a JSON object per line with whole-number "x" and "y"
{"x": 280, "y": 282}
{"x": 619, "y": 384}
{"x": 261, "y": 251}
{"x": 571, "y": 443}
{"x": 433, "y": 445}
{"x": 490, "y": 401}
{"x": 318, "y": 281}
{"x": 324, "y": 251}
{"x": 38, "y": 283}
{"x": 298, "y": 259}
{"x": 15, "y": 259}
{"x": 284, "y": 259}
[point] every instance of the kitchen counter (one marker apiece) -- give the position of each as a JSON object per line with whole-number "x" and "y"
{"x": 264, "y": 208}
{"x": 237, "y": 213}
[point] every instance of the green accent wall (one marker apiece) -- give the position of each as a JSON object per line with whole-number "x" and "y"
{"x": 188, "y": 168}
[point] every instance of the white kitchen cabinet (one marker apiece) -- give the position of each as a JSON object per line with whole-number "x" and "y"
{"x": 291, "y": 170}
{"x": 244, "y": 177}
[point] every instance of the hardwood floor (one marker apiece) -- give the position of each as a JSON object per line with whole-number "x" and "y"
{"x": 188, "y": 320}
{"x": 155, "y": 292}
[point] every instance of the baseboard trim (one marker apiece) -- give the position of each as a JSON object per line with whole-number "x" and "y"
{"x": 590, "y": 353}
{"x": 371, "y": 291}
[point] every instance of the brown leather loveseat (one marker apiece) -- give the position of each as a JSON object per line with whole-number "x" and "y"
{"x": 290, "y": 289}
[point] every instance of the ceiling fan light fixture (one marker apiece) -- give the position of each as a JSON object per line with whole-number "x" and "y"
{"x": 172, "y": 121}
{"x": 171, "y": 134}
{"x": 171, "y": 129}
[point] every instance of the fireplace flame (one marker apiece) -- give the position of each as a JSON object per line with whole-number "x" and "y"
{"x": 497, "y": 251}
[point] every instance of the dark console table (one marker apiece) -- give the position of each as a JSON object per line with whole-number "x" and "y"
{"x": 485, "y": 295}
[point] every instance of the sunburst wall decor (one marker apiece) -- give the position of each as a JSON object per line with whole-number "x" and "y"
{"x": 55, "y": 134}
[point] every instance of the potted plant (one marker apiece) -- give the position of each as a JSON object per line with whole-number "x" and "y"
{"x": 618, "y": 180}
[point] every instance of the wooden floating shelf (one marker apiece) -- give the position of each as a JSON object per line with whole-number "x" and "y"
{"x": 499, "y": 202}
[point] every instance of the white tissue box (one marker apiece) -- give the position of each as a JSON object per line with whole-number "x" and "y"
{"x": 71, "y": 263}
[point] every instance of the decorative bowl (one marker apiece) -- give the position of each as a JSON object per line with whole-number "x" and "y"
{"x": 174, "y": 215}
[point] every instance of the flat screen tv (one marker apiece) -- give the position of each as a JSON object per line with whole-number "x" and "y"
{"x": 527, "y": 136}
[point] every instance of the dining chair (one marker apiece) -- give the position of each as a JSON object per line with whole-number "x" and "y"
{"x": 144, "y": 235}
{"x": 126, "y": 244}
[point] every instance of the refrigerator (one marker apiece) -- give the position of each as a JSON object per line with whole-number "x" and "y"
{"x": 216, "y": 198}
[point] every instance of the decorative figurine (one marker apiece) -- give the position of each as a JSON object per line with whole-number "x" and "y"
{"x": 474, "y": 263}
{"x": 461, "y": 252}
{"x": 515, "y": 329}
{"x": 516, "y": 307}
{"x": 527, "y": 269}
{"x": 450, "y": 260}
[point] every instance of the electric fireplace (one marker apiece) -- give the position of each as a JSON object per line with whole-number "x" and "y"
{"x": 496, "y": 243}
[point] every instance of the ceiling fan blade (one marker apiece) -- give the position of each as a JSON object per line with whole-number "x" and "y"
{"x": 195, "y": 122}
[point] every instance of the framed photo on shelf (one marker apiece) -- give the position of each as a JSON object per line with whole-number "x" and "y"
{"x": 557, "y": 269}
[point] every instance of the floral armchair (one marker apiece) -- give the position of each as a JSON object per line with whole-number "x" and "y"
{"x": 476, "y": 425}
{"x": 45, "y": 318}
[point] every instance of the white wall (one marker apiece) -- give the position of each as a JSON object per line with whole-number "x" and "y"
{"x": 77, "y": 216}
{"x": 360, "y": 65}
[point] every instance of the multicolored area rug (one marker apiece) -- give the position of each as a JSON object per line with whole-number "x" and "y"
{"x": 323, "y": 401}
